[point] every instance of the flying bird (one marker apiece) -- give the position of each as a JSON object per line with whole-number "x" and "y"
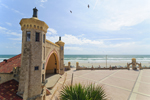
{"x": 70, "y": 11}
{"x": 88, "y": 6}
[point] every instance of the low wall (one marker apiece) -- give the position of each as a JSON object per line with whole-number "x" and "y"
{"x": 4, "y": 77}
{"x": 92, "y": 68}
{"x": 85, "y": 68}
{"x": 67, "y": 68}
{"x": 145, "y": 68}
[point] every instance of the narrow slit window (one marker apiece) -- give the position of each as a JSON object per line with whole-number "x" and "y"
{"x": 37, "y": 37}
{"x": 44, "y": 54}
{"x": 43, "y": 38}
{"x": 42, "y": 78}
{"x": 43, "y": 66}
{"x": 28, "y": 36}
{"x": 61, "y": 47}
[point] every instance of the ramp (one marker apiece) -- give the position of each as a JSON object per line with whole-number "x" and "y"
{"x": 52, "y": 80}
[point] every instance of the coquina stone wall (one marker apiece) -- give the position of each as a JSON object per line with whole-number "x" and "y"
{"x": 5, "y": 77}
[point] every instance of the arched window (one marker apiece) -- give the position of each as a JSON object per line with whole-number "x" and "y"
{"x": 28, "y": 36}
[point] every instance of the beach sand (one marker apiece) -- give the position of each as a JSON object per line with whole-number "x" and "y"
{"x": 103, "y": 64}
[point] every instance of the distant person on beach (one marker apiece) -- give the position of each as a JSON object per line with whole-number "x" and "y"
{"x": 99, "y": 66}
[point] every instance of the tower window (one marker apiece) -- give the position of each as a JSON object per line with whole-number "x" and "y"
{"x": 44, "y": 53}
{"x": 37, "y": 37}
{"x": 61, "y": 47}
{"x": 43, "y": 38}
{"x": 43, "y": 78}
{"x": 43, "y": 65}
{"x": 28, "y": 36}
{"x": 36, "y": 68}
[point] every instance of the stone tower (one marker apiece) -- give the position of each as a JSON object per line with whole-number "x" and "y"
{"x": 32, "y": 75}
{"x": 61, "y": 44}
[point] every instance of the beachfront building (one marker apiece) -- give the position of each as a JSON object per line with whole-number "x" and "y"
{"x": 39, "y": 59}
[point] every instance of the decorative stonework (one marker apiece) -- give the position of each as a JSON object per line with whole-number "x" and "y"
{"x": 33, "y": 23}
{"x": 134, "y": 63}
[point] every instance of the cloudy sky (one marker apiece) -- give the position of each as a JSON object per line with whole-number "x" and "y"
{"x": 106, "y": 27}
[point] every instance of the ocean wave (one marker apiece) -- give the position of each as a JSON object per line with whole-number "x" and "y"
{"x": 112, "y": 60}
{"x": 105, "y": 58}
{"x": 3, "y": 58}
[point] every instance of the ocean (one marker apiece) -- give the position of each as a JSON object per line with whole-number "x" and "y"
{"x": 98, "y": 58}
{"x": 110, "y": 58}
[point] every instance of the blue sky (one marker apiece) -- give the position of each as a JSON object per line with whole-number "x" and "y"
{"x": 107, "y": 27}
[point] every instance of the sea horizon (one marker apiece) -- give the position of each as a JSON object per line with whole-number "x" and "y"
{"x": 145, "y": 59}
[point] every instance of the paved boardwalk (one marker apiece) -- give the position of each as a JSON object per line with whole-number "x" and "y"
{"x": 118, "y": 84}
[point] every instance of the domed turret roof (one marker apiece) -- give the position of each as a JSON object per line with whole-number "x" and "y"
{"x": 133, "y": 59}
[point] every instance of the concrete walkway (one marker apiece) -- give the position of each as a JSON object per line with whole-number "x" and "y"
{"x": 52, "y": 80}
{"x": 118, "y": 84}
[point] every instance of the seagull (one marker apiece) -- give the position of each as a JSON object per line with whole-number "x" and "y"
{"x": 70, "y": 11}
{"x": 88, "y": 6}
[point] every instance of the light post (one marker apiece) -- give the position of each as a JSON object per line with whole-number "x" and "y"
{"x": 106, "y": 61}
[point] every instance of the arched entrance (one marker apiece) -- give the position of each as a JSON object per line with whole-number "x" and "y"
{"x": 52, "y": 64}
{"x": 134, "y": 64}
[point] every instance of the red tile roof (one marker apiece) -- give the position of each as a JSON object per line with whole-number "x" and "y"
{"x": 7, "y": 67}
{"x": 8, "y": 90}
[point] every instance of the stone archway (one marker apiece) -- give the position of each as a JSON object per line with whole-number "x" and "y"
{"x": 52, "y": 64}
{"x": 134, "y": 64}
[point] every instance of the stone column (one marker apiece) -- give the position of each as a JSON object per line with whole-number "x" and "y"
{"x": 69, "y": 65}
{"x": 140, "y": 67}
{"x": 110, "y": 67}
{"x": 61, "y": 44}
{"x": 127, "y": 66}
{"x": 77, "y": 64}
{"x": 134, "y": 64}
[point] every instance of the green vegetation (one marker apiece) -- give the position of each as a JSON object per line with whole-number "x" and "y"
{"x": 82, "y": 92}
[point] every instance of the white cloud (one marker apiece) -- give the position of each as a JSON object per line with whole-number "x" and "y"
{"x": 75, "y": 40}
{"x": 95, "y": 4}
{"x": 19, "y": 38}
{"x": 77, "y": 45}
{"x": 121, "y": 45}
{"x": 9, "y": 24}
{"x": 43, "y": 0}
{"x": 70, "y": 39}
{"x": 51, "y": 31}
{"x": 4, "y": 5}
{"x": 74, "y": 48}
{"x": 124, "y": 13}
{"x": 16, "y": 11}
{"x": 41, "y": 5}
{"x": 118, "y": 39}
{"x": 81, "y": 35}
{"x": 52, "y": 38}
{"x": 2, "y": 28}
{"x": 9, "y": 32}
